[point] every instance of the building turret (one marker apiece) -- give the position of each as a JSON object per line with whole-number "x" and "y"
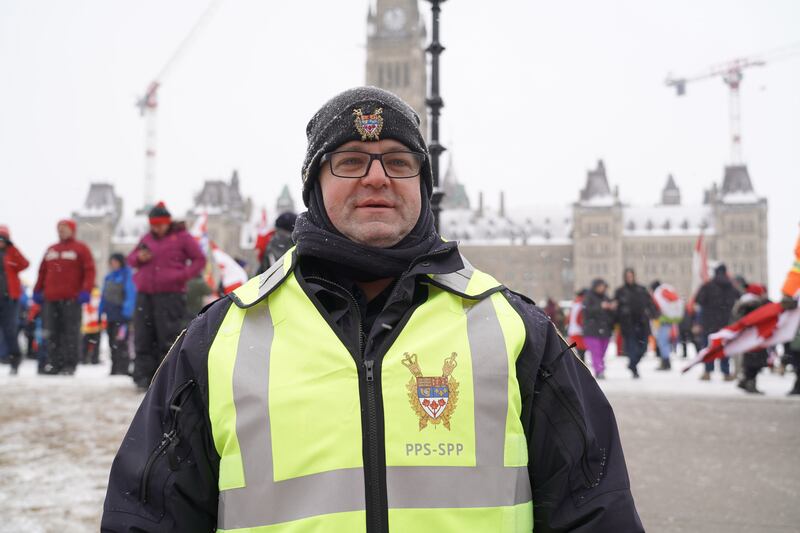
{"x": 455, "y": 195}
{"x": 736, "y": 180}
{"x": 285, "y": 202}
{"x": 671, "y": 194}
{"x": 597, "y": 188}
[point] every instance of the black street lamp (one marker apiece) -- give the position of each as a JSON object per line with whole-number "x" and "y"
{"x": 435, "y": 104}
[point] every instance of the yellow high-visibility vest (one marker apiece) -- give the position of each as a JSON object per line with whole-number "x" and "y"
{"x": 286, "y": 415}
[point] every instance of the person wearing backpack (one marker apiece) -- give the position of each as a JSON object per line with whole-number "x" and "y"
{"x": 117, "y": 304}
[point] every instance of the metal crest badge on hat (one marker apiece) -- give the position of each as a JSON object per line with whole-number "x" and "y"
{"x": 369, "y": 126}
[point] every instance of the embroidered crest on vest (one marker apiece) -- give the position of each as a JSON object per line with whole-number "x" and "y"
{"x": 369, "y": 126}
{"x": 433, "y": 398}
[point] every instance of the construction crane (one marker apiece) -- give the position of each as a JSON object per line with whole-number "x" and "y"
{"x": 148, "y": 104}
{"x": 732, "y": 75}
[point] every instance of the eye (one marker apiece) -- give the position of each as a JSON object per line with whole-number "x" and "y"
{"x": 398, "y": 162}
{"x": 346, "y": 160}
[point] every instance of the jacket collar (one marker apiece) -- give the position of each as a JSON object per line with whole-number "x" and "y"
{"x": 444, "y": 267}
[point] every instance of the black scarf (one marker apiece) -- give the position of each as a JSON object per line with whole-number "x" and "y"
{"x": 316, "y": 237}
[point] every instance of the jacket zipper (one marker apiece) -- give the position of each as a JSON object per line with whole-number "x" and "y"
{"x": 590, "y": 478}
{"x": 169, "y": 441}
{"x": 371, "y": 471}
{"x": 374, "y": 496}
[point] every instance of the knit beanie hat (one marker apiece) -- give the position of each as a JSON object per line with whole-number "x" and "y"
{"x": 68, "y": 222}
{"x": 117, "y": 257}
{"x": 286, "y": 221}
{"x": 159, "y": 215}
{"x": 362, "y": 114}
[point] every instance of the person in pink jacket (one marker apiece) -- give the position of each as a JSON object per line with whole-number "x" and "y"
{"x": 165, "y": 259}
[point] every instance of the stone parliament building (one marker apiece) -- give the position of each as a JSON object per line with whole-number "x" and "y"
{"x": 552, "y": 251}
{"x": 542, "y": 251}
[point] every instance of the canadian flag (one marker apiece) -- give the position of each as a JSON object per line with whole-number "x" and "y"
{"x": 699, "y": 265}
{"x": 264, "y": 234}
{"x": 575, "y": 326}
{"x": 199, "y": 231}
{"x": 767, "y": 326}
{"x": 669, "y": 303}
{"x": 231, "y": 273}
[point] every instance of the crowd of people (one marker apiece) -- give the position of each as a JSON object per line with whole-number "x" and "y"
{"x": 150, "y": 295}
{"x": 145, "y": 299}
{"x": 638, "y": 317}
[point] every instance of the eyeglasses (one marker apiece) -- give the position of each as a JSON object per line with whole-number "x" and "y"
{"x": 353, "y": 164}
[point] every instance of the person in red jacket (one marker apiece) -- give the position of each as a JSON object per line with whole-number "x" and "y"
{"x": 165, "y": 259}
{"x": 66, "y": 278}
{"x": 12, "y": 262}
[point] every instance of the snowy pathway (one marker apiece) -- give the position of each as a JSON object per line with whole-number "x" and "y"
{"x": 58, "y": 436}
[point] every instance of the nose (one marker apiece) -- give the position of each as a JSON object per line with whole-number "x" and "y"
{"x": 376, "y": 177}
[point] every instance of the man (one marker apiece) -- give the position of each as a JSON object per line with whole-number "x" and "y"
{"x": 12, "y": 262}
{"x": 749, "y": 364}
{"x": 66, "y": 278}
{"x": 716, "y": 299}
{"x": 635, "y": 309}
{"x": 165, "y": 260}
{"x": 371, "y": 380}
{"x": 116, "y": 305}
{"x": 281, "y": 240}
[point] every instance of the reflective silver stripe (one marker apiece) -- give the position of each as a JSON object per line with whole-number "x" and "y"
{"x": 489, "y": 483}
{"x": 270, "y": 278}
{"x": 432, "y": 487}
{"x": 263, "y": 501}
{"x": 458, "y": 280}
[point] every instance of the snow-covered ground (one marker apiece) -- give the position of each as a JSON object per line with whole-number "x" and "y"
{"x": 674, "y": 382}
{"x": 59, "y": 434}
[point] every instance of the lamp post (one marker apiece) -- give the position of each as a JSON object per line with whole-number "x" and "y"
{"x": 435, "y": 103}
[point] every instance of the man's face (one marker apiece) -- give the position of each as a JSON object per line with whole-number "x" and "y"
{"x": 630, "y": 277}
{"x": 64, "y": 232}
{"x": 374, "y": 210}
{"x": 600, "y": 288}
{"x": 159, "y": 229}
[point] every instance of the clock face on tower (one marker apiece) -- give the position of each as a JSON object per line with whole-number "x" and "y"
{"x": 394, "y": 19}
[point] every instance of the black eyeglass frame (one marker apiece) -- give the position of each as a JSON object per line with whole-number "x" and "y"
{"x": 326, "y": 157}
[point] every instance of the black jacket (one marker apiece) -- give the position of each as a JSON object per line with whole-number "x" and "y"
{"x": 716, "y": 299}
{"x": 597, "y": 322}
{"x": 164, "y": 477}
{"x": 635, "y": 308}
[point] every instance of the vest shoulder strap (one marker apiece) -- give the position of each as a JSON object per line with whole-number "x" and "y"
{"x": 262, "y": 285}
{"x": 468, "y": 282}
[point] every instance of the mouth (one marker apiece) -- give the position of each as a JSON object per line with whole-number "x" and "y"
{"x": 374, "y": 203}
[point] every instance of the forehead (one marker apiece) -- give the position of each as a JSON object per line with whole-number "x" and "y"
{"x": 373, "y": 146}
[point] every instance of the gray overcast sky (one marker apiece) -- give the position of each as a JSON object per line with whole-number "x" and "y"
{"x": 535, "y": 93}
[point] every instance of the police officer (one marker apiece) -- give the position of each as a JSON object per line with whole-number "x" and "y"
{"x": 371, "y": 380}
